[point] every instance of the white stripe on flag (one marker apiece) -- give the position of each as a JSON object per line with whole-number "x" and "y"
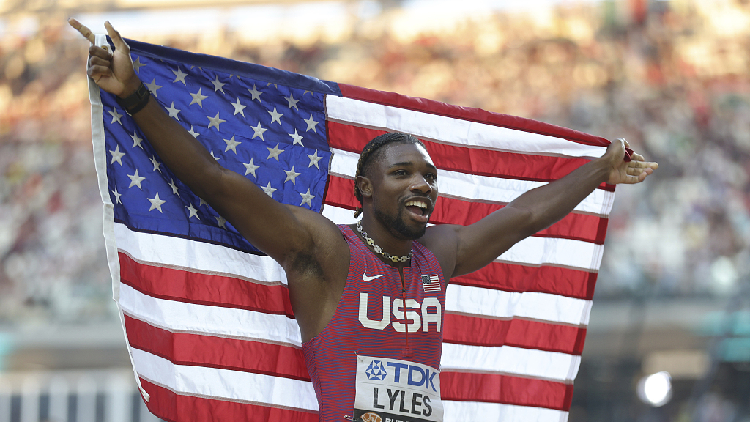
{"x": 555, "y": 251}
{"x": 209, "y": 320}
{"x": 479, "y": 188}
{"x": 225, "y": 384}
{"x": 203, "y": 257}
{"x": 452, "y": 131}
{"x": 338, "y": 215}
{"x": 510, "y": 360}
{"x": 457, "y": 411}
{"x": 500, "y": 304}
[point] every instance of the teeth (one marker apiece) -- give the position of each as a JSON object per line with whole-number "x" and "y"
{"x": 416, "y": 204}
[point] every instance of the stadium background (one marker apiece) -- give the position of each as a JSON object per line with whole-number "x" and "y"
{"x": 673, "y": 77}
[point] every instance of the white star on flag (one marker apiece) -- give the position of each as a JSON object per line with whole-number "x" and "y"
{"x": 215, "y": 121}
{"x": 268, "y": 189}
{"x": 239, "y": 108}
{"x": 250, "y": 168}
{"x": 307, "y": 198}
{"x": 292, "y": 102}
{"x": 157, "y": 164}
{"x": 156, "y": 203}
{"x": 136, "y": 180}
{"x": 255, "y": 93}
{"x": 136, "y": 140}
{"x": 179, "y": 76}
{"x": 193, "y": 212}
{"x": 173, "y": 186}
{"x": 275, "y": 116}
{"x": 198, "y": 98}
{"x": 116, "y": 155}
{"x": 311, "y": 123}
{"x": 137, "y": 65}
{"x": 231, "y": 144}
{"x": 173, "y": 111}
{"x": 291, "y": 175}
{"x": 314, "y": 159}
{"x": 297, "y": 137}
{"x": 258, "y": 131}
{"x": 218, "y": 86}
{"x": 117, "y": 196}
{"x": 115, "y": 116}
{"x": 153, "y": 87}
{"x": 274, "y": 152}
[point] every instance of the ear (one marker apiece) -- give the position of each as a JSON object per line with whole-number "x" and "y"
{"x": 364, "y": 185}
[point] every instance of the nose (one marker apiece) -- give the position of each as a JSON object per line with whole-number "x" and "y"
{"x": 420, "y": 184}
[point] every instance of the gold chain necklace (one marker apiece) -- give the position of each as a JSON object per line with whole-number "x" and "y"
{"x": 380, "y": 250}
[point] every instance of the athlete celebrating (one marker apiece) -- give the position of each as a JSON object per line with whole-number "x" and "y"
{"x": 346, "y": 282}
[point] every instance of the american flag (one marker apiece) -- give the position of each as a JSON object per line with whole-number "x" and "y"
{"x": 209, "y": 327}
{"x": 431, "y": 283}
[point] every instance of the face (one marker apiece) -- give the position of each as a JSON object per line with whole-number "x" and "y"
{"x": 404, "y": 189}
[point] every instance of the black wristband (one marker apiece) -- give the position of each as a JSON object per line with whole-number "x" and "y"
{"x": 134, "y": 102}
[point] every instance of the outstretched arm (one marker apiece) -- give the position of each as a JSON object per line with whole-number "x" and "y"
{"x": 274, "y": 228}
{"x": 479, "y": 244}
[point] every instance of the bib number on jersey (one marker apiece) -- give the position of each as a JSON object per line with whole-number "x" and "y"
{"x": 392, "y": 390}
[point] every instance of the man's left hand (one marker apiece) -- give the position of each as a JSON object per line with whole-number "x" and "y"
{"x": 629, "y": 172}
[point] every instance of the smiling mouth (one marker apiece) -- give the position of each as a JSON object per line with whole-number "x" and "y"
{"x": 419, "y": 208}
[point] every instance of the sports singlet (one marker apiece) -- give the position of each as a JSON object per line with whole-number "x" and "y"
{"x": 383, "y": 343}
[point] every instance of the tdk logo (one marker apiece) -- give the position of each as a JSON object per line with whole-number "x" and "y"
{"x": 375, "y": 371}
{"x": 403, "y": 373}
{"x": 413, "y": 315}
{"x": 413, "y": 375}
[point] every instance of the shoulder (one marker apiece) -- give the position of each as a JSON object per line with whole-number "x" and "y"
{"x": 442, "y": 241}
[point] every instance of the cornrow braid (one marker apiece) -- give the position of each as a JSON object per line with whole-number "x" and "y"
{"x": 372, "y": 149}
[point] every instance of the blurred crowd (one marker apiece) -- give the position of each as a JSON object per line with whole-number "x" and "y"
{"x": 672, "y": 77}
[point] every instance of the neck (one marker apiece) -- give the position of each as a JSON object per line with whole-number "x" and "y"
{"x": 384, "y": 243}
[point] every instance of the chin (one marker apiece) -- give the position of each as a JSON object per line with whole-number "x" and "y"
{"x": 399, "y": 227}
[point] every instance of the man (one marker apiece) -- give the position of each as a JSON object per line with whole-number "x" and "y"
{"x": 368, "y": 298}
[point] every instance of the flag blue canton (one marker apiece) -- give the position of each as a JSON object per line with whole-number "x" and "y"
{"x": 273, "y": 134}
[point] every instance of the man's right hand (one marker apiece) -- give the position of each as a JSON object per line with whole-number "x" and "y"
{"x": 113, "y": 72}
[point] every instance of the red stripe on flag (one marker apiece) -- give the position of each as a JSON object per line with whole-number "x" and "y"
{"x": 468, "y": 113}
{"x": 483, "y": 162}
{"x": 174, "y": 407}
{"x": 522, "y": 278}
{"x": 217, "y": 352}
{"x": 477, "y": 331}
{"x": 495, "y": 388}
{"x": 575, "y": 226}
{"x": 204, "y": 289}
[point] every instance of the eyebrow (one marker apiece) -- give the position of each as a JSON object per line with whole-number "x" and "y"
{"x": 410, "y": 163}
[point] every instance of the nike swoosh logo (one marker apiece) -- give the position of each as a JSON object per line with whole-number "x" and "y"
{"x": 366, "y": 278}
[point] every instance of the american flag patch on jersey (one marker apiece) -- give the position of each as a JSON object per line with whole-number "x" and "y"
{"x": 431, "y": 283}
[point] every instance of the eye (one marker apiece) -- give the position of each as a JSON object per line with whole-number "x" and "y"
{"x": 400, "y": 172}
{"x": 432, "y": 177}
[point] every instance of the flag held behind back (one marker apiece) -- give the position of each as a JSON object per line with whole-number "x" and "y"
{"x": 208, "y": 322}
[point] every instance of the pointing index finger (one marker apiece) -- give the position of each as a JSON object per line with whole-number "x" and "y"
{"x": 83, "y": 29}
{"x": 115, "y": 36}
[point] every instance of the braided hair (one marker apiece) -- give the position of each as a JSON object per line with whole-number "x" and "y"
{"x": 372, "y": 149}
